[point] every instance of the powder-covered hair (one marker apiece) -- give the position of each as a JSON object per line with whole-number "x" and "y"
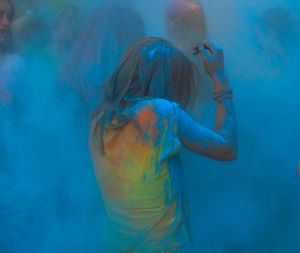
{"x": 107, "y": 34}
{"x": 185, "y": 23}
{"x": 150, "y": 68}
{"x": 8, "y": 45}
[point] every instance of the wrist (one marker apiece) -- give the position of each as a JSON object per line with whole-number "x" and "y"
{"x": 222, "y": 94}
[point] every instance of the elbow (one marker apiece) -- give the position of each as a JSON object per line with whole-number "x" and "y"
{"x": 232, "y": 156}
{"x": 232, "y": 153}
{"x": 229, "y": 154}
{"x": 225, "y": 156}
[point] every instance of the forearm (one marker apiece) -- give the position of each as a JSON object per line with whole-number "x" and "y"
{"x": 226, "y": 124}
{"x": 223, "y": 146}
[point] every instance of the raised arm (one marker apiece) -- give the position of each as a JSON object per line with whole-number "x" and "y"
{"x": 220, "y": 144}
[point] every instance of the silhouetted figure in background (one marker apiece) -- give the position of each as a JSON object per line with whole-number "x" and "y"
{"x": 276, "y": 30}
{"x": 11, "y": 64}
{"x": 278, "y": 37}
{"x": 108, "y": 32}
{"x": 65, "y": 29}
{"x": 185, "y": 25}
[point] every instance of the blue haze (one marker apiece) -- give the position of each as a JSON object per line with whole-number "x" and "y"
{"x": 49, "y": 198}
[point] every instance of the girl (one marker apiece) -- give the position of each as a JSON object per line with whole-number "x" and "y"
{"x": 136, "y": 134}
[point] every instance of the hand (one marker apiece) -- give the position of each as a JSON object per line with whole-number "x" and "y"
{"x": 213, "y": 59}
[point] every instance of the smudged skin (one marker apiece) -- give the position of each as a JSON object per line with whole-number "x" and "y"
{"x": 221, "y": 144}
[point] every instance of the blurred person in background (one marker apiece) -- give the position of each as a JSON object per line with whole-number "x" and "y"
{"x": 12, "y": 78}
{"x": 278, "y": 37}
{"x": 65, "y": 28}
{"x": 107, "y": 33}
{"x": 11, "y": 64}
{"x": 47, "y": 41}
{"x": 185, "y": 25}
{"x": 276, "y": 29}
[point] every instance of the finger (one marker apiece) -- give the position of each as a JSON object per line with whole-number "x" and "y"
{"x": 196, "y": 49}
{"x": 214, "y": 47}
{"x": 210, "y": 47}
{"x": 204, "y": 52}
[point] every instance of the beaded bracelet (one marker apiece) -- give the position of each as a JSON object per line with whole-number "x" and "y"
{"x": 223, "y": 94}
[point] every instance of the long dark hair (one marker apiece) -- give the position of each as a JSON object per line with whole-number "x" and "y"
{"x": 107, "y": 34}
{"x": 150, "y": 68}
{"x": 8, "y": 45}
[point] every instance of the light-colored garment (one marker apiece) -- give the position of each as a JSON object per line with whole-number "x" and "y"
{"x": 140, "y": 178}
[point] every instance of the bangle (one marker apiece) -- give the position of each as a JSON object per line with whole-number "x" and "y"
{"x": 223, "y": 94}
